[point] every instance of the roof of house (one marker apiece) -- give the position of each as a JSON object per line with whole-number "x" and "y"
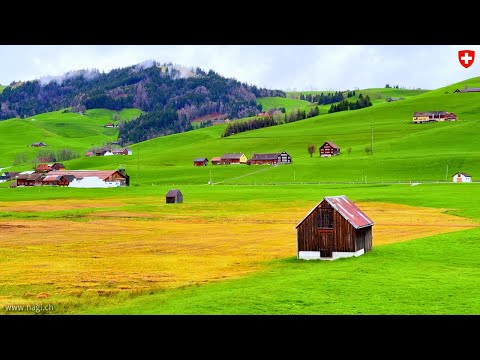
{"x": 38, "y": 143}
{"x": 468, "y": 90}
{"x": 34, "y": 176}
{"x": 102, "y": 174}
{"x": 356, "y": 217}
{"x": 272, "y": 156}
{"x": 331, "y": 144}
{"x": 44, "y": 167}
{"x": 462, "y": 173}
{"x": 200, "y": 159}
{"x": 23, "y": 176}
{"x": 232, "y": 156}
{"x": 173, "y": 193}
{"x": 52, "y": 177}
{"x": 428, "y": 113}
{"x": 216, "y": 158}
{"x": 11, "y": 173}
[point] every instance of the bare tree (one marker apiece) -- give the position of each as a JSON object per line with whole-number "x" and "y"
{"x": 311, "y": 149}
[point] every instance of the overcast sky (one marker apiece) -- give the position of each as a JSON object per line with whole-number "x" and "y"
{"x": 286, "y": 67}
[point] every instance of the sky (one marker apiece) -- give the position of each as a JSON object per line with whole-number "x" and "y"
{"x": 284, "y": 67}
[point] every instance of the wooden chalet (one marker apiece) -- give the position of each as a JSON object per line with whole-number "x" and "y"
{"x": 174, "y": 196}
{"x": 421, "y": 117}
{"x": 55, "y": 180}
{"x": 462, "y": 177}
{"x": 38, "y": 144}
{"x": 233, "y": 158}
{"x": 34, "y": 179}
{"x": 122, "y": 151}
{"x": 216, "y": 160}
{"x": 334, "y": 228}
{"x": 109, "y": 176}
{"x": 200, "y": 161}
{"x": 22, "y": 179}
{"x": 329, "y": 149}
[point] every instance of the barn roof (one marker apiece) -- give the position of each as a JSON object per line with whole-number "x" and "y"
{"x": 428, "y": 113}
{"x": 272, "y": 156}
{"x": 44, "y": 166}
{"x": 232, "y": 156}
{"x": 468, "y": 90}
{"x": 356, "y": 217}
{"x": 52, "y": 178}
{"x": 331, "y": 144}
{"x": 462, "y": 173}
{"x": 173, "y": 193}
{"x": 34, "y": 176}
{"x": 102, "y": 174}
{"x": 216, "y": 158}
{"x": 200, "y": 159}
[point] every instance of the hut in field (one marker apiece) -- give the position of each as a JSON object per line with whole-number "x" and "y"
{"x": 329, "y": 149}
{"x": 333, "y": 229}
{"x": 462, "y": 177}
{"x": 174, "y": 196}
{"x": 202, "y": 161}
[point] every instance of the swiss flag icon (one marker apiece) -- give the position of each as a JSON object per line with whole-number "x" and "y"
{"x": 466, "y": 58}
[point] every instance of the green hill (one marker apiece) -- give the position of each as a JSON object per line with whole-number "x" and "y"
{"x": 58, "y": 130}
{"x": 278, "y": 102}
{"x": 402, "y": 151}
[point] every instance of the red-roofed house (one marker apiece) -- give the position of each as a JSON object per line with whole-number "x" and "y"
{"x": 329, "y": 149}
{"x": 334, "y": 228}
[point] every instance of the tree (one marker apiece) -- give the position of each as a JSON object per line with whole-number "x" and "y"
{"x": 311, "y": 149}
{"x": 349, "y": 150}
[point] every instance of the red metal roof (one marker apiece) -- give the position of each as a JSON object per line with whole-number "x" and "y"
{"x": 356, "y": 217}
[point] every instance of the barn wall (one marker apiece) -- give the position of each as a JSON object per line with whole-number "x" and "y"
{"x": 343, "y": 235}
{"x": 306, "y": 234}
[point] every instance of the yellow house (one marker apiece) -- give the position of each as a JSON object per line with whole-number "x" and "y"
{"x": 427, "y": 116}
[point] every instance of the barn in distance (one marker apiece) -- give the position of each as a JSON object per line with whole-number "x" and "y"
{"x": 174, "y": 196}
{"x": 333, "y": 229}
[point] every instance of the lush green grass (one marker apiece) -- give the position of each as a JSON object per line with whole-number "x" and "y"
{"x": 58, "y": 130}
{"x": 278, "y": 102}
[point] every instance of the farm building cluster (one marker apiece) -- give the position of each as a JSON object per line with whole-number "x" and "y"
{"x": 421, "y": 117}
{"x": 109, "y": 152}
{"x": 241, "y": 158}
{"x": 49, "y": 176}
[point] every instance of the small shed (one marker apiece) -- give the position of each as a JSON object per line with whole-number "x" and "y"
{"x": 216, "y": 160}
{"x": 462, "y": 177}
{"x": 174, "y": 196}
{"x": 333, "y": 229}
{"x": 329, "y": 149}
{"x": 200, "y": 161}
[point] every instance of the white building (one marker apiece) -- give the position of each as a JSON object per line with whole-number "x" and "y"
{"x": 462, "y": 177}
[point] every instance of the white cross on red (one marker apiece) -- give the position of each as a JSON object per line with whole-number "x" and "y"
{"x": 466, "y": 58}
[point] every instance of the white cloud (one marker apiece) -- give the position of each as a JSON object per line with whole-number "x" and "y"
{"x": 301, "y": 67}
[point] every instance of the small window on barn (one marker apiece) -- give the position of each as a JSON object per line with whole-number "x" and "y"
{"x": 325, "y": 218}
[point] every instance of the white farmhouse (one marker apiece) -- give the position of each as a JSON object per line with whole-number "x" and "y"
{"x": 462, "y": 177}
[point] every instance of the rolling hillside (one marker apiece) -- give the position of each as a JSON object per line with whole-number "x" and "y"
{"x": 401, "y": 151}
{"x": 58, "y": 130}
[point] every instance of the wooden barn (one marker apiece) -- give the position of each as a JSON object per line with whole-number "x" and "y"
{"x": 174, "y": 196}
{"x": 333, "y": 229}
{"x": 329, "y": 149}
{"x": 284, "y": 158}
{"x": 216, "y": 160}
{"x": 39, "y": 144}
{"x": 262, "y": 159}
{"x": 234, "y": 158}
{"x": 200, "y": 161}
{"x": 55, "y": 180}
{"x": 462, "y": 177}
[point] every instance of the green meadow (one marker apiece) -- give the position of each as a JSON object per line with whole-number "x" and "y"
{"x": 431, "y": 275}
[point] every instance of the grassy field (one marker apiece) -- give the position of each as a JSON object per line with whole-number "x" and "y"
{"x": 278, "y": 102}
{"x": 58, "y": 130}
{"x": 230, "y": 247}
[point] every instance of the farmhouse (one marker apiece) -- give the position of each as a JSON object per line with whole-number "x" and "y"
{"x": 200, "y": 161}
{"x": 462, "y": 177}
{"x": 390, "y": 99}
{"x": 174, "y": 196}
{"x": 44, "y": 168}
{"x": 109, "y": 125}
{"x": 34, "y": 179}
{"x": 110, "y": 177}
{"x": 420, "y": 117}
{"x": 467, "y": 90}
{"x": 38, "y": 144}
{"x": 234, "y": 158}
{"x": 270, "y": 159}
{"x": 217, "y": 160}
{"x": 125, "y": 151}
{"x": 334, "y": 228}
{"x": 55, "y": 180}
{"x": 329, "y": 149}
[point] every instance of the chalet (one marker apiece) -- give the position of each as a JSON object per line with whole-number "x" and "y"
{"x": 333, "y": 229}
{"x": 110, "y": 177}
{"x": 55, "y": 180}
{"x": 43, "y": 168}
{"x": 22, "y": 179}
{"x": 57, "y": 166}
{"x": 462, "y": 177}
{"x": 390, "y": 99}
{"x": 467, "y": 90}
{"x": 122, "y": 151}
{"x": 284, "y": 158}
{"x": 109, "y": 125}
{"x": 217, "y": 160}
{"x": 200, "y": 161}
{"x": 420, "y": 117}
{"x": 329, "y": 149}
{"x": 89, "y": 153}
{"x": 234, "y": 158}
{"x": 262, "y": 159}
{"x": 34, "y": 179}
{"x": 38, "y": 144}
{"x": 174, "y": 196}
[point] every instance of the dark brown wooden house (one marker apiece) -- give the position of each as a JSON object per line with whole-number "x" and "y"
{"x": 55, "y": 180}
{"x": 174, "y": 196}
{"x": 329, "y": 149}
{"x": 200, "y": 161}
{"x": 334, "y": 228}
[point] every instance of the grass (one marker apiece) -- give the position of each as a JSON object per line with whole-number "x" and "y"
{"x": 278, "y": 102}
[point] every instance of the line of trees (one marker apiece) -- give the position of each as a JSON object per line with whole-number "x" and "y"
{"x": 350, "y": 105}
{"x": 325, "y": 99}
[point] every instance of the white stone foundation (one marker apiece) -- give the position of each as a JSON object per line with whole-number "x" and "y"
{"x": 315, "y": 255}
